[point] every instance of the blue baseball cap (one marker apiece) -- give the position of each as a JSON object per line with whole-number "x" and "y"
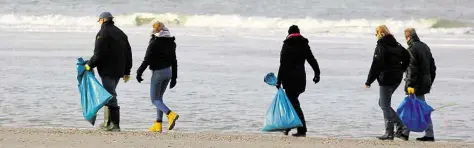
{"x": 105, "y": 15}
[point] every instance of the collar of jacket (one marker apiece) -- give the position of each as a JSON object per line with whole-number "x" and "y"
{"x": 107, "y": 24}
{"x": 414, "y": 38}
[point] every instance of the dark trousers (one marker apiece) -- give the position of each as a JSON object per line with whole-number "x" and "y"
{"x": 293, "y": 97}
{"x": 389, "y": 113}
{"x": 110, "y": 84}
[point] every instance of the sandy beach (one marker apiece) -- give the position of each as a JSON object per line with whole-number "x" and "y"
{"x": 48, "y": 137}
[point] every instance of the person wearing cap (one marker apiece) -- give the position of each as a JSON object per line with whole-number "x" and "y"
{"x": 390, "y": 61}
{"x": 160, "y": 57}
{"x": 113, "y": 59}
{"x": 420, "y": 74}
{"x": 291, "y": 74}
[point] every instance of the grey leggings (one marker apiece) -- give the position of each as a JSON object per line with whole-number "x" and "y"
{"x": 159, "y": 82}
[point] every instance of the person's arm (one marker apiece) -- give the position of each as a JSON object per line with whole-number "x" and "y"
{"x": 312, "y": 61}
{"x": 174, "y": 62}
{"x": 377, "y": 65}
{"x": 100, "y": 46}
{"x": 128, "y": 54}
{"x": 432, "y": 68}
{"x": 405, "y": 58}
{"x": 283, "y": 62}
{"x": 146, "y": 59}
{"x": 412, "y": 72}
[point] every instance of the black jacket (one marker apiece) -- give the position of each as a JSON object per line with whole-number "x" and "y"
{"x": 390, "y": 62}
{"x": 422, "y": 70}
{"x": 112, "y": 52}
{"x": 294, "y": 53}
{"x": 160, "y": 54}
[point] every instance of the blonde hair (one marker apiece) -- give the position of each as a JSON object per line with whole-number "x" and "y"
{"x": 159, "y": 25}
{"x": 382, "y": 31}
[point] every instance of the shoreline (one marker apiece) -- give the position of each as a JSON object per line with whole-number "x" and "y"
{"x": 66, "y": 137}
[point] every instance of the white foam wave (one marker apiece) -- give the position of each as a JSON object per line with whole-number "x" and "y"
{"x": 236, "y": 21}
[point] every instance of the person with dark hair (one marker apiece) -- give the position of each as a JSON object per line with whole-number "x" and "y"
{"x": 390, "y": 61}
{"x": 291, "y": 74}
{"x": 113, "y": 59}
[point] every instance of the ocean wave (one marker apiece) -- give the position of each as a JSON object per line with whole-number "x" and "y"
{"x": 233, "y": 21}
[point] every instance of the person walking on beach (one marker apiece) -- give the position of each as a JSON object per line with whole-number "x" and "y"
{"x": 161, "y": 57}
{"x": 421, "y": 73}
{"x": 292, "y": 75}
{"x": 390, "y": 61}
{"x": 113, "y": 59}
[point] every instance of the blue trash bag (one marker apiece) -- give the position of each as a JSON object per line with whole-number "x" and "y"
{"x": 415, "y": 113}
{"x": 280, "y": 115}
{"x": 93, "y": 94}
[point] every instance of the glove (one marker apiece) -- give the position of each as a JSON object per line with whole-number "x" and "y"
{"x": 367, "y": 85}
{"x": 411, "y": 90}
{"x": 316, "y": 79}
{"x": 139, "y": 78}
{"x": 126, "y": 78}
{"x": 172, "y": 83}
{"x": 87, "y": 67}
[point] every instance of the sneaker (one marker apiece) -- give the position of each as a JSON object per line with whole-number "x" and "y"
{"x": 426, "y": 139}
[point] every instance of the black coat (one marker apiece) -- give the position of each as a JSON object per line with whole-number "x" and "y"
{"x": 389, "y": 63}
{"x": 294, "y": 53}
{"x": 112, "y": 52}
{"x": 422, "y": 70}
{"x": 160, "y": 54}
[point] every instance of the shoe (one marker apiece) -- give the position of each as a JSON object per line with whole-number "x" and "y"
{"x": 389, "y": 134}
{"x": 426, "y": 139}
{"x": 156, "y": 127}
{"x": 299, "y": 135}
{"x": 286, "y": 132}
{"x": 114, "y": 120}
{"x": 106, "y": 123}
{"x": 172, "y": 117}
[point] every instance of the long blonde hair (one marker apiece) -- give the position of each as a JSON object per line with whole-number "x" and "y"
{"x": 381, "y": 31}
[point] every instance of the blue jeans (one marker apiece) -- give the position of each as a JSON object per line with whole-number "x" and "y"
{"x": 159, "y": 82}
{"x": 429, "y": 132}
{"x": 110, "y": 84}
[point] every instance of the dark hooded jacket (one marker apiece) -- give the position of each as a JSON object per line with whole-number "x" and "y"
{"x": 160, "y": 54}
{"x": 294, "y": 53}
{"x": 422, "y": 70}
{"x": 389, "y": 62}
{"x": 112, "y": 52}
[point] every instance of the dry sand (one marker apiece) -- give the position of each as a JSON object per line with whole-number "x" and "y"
{"x": 61, "y": 138}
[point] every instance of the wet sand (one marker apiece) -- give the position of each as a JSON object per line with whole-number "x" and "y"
{"x": 55, "y": 137}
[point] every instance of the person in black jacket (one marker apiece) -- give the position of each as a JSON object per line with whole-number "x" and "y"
{"x": 161, "y": 57}
{"x": 113, "y": 59}
{"x": 421, "y": 73}
{"x": 389, "y": 63}
{"x": 292, "y": 75}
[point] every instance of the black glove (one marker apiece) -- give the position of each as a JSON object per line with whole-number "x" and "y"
{"x": 139, "y": 78}
{"x": 316, "y": 79}
{"x": 172, "y": 83}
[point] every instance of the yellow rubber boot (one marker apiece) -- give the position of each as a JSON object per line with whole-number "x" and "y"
{"x": 156, "y": 127}
{"x": 172, "y": 117}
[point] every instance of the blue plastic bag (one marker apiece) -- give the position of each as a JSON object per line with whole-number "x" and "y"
{"x": 93, "y": 94}
{"x": 280, "y": 115}
{"x": 415, "y": 113}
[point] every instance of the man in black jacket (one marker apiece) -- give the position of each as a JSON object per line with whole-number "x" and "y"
{"x": 421, "y": 73}
{"x": 389, "y": 63}
{"x": 113, "y": 59}
{"x": 292, "y": 75}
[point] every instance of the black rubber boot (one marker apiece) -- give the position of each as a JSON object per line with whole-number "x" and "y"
{"x": 286, "y": 132}
{"x": 106, "y": 123}
{"x": 389, "y": 134}
{"x": 299, "y": 135}
{"x": 114, "y": 119}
